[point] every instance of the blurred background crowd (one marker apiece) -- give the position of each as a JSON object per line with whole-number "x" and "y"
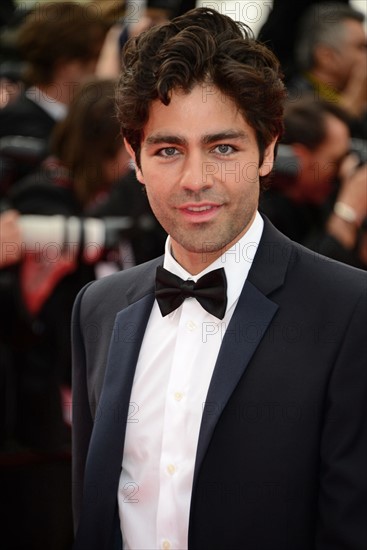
{"x": 71, "y": 209}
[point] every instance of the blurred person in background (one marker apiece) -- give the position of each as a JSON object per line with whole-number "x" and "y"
{"x": 55, "y": 257}
{"x": 318, "y": 195}
{"x": 137, "y": 17}
{"x": 88, "y": 157}
{"x": 60, "y": 44}
{"x": 11, "y": 63}
{"x": 285, "y": 14}
{"x": 331, "y": 55}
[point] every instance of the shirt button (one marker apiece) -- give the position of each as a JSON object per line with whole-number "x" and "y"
{"x": 178, "y": 396}
{"x": 171, "y": 469}
{"x": 191, "y": 326}
{"x": 166, "y": 545}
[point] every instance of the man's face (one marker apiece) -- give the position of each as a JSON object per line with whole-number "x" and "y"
{"x": 200, "y": 166}
{"x": 352, "y": 52}
{"x": 320, "y": 167}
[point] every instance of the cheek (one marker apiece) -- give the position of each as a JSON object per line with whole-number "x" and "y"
{"x": 158, "y": 181}
{"x": 235, "y": 174}
{"x": 156, "y": 198}
{"x": 251, "y": 173}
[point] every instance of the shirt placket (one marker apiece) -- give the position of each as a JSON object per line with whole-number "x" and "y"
{"x": 176, "y": 456}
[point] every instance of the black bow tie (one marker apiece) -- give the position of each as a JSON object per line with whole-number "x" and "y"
{"x": 210, "y": 291}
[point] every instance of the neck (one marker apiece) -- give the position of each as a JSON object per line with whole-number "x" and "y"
{"x": 195, "y": 262}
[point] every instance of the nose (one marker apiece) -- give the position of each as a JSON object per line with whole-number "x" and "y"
{"x": 197, "y": 172}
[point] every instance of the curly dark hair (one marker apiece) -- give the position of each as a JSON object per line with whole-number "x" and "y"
{"x": 200, "y": 47}
{"x": 59, "y": 31}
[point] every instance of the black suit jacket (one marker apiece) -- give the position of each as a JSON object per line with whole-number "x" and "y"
{"x": 281, "y": 458}
{"x": 26, "y": 119}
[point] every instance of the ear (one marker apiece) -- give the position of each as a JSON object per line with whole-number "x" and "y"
{"x": 130, "y": 150}
{"x": 268, "y": 162}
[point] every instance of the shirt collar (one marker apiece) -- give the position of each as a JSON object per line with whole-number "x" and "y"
{"x": 54, "y": 108}
{"x": 236, "y": 261}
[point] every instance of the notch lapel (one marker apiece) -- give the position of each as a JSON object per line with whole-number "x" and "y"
{"x": 251, "y": 318}
{"x": 248, "y": 325}
{"x": 104, "y": 459}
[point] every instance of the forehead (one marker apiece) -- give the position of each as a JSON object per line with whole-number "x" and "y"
{"x": 354, "y": 32}
{"x": 205, "y": 109}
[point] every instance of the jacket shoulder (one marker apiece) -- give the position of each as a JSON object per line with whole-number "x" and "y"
{"x": 119, "y": 290}
{"x": 329, "y": 274}
{"x": 25, "y": 118}
{"x": 283, "y": 263}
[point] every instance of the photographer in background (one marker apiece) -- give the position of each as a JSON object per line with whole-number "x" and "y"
{"x": 59, "y": 43}
{"x": 331, "y": 55}
{"x": 54, "y": 252}
{"x": 88, "y": 157}
{"x": 318, "y": 196}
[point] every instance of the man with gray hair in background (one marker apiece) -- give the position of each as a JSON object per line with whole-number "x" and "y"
{"x": 331, "y": 54}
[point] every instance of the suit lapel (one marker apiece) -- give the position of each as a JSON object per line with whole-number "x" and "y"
{"x": 106, "y": 447}
{"x": 252, "y": 316}
{"x": 249, "y": 322}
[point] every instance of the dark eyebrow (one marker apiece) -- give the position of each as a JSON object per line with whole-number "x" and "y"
{"x": 223, "y": 136}
{"x": 157, "y": 139}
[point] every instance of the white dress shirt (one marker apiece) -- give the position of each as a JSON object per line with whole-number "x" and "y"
{"x": 171, "y": 382}
{"x": 54, "y": 108}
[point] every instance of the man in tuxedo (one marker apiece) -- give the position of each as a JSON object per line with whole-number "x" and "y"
{"x": 219, "y": 391}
